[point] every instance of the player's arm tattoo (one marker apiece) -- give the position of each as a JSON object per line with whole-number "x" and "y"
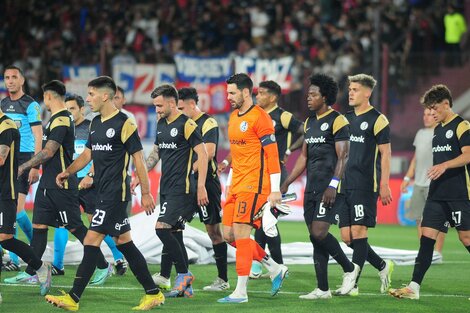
{"x": 4, "y": 150}
{"x": 152, "y": 159}
{"x": 42, "y": 156}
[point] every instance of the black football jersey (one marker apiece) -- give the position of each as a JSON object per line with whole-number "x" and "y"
{"x": 176, "y": 140}
{"x": 321, "y": 133}
{"x": 285, "y": 124}
{"x": 113, "y": 140}
{"x": 10, "y": 137}
{"x": 368, "y": 130}
{"x": 60, "y": 129}
{"x": 447, "y": 143}
{"x": 210, "y": 134}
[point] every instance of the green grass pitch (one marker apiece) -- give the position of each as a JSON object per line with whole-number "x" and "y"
{"x": 446, "y": 287}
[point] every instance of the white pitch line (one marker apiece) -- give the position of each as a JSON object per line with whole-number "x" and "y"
{"x": 369, "y": 294}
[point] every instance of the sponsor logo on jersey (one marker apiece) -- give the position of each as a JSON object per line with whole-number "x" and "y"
{"x": 449, "y": 134}
{"x": 173, "y": 132}
{"x": 357, "y": 138}
{"x": 320, "y": 139}
{"x": 240, "y": 142}
{"x": 110, "y": 133}
{"x": 244, "y": 126}
{"x": 445, "y": 148}
{"x": 165, "y": 145}
{"x": 124, "y": 223}
{"x": 364, "y": 125}
{"x": 98, "y": 147}
{"x": 324, "y": 126}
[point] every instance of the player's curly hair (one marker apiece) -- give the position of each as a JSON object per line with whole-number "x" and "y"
{"x": 436, "y": 94}
{"x": 328, "y": 87}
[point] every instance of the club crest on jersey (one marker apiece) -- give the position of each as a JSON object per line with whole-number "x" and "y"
{"x": 449, "y": 134}
{"x": 174, "y": 132}
{"x": 110, "y": 133}
{"x": 324, "y": 126}
{"x": 364, "y": 125}
{"x": 244, "y": 126}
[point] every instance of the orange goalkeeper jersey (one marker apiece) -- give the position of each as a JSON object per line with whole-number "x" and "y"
{"x": 248, "y": 134}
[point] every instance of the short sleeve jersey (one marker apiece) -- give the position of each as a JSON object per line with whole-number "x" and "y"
{"x": 112, "y": 141}
{"x": 423, "y": 154}
{"x": 10, "y": 137}
{"x": 210, "y": 134}
{"x": 175, "y": 141}
{"x": 368, "y": 130}
{"x": 82, "y": 131}
{"x": 285, "y": 124}
{"x": 25, "y": 112}
{"x": 60, "y": 129}
{"x": 321, "y": 134}
{"x": 249, "y": 163}
{"x": 447, "y": 144}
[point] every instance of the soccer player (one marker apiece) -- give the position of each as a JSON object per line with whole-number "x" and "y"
{"x": 255, "y": 180}
{"x": 9, "y": 151}
{"x": 366, "y": 177}
{"x": 113, "y": 138}
{"x": 418, "y": 169}
{"x": 87, "y": 192}
{"x": 53, "y": 206}
{"x": 177, "y": 138}
{"x": 324, "y": 154}
{"x": 449, "y": 192}
{"x": 26, "y": 113}
{"x": 120, "y": 101}
{"x": 210, "y": 213}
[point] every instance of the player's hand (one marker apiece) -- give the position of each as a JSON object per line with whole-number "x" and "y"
{"x": 329, "y": 197}
{"x": 275, "y": 198}
{"x": 284, "y": 188}
{"x": 285, "y": 158}
{"x": 147, "y": 203}
{"x": 436, "y": 171}
{"x": 385, "y": 194}
{"x": 221, "y": 167}
{"x": 134, "y": 183}
{"x": 33, "y": 176}
{"x": 202, "y": 198}
{"x": 404, "y": 185}
{"x": 61, "y": 178}
{"x": 86, "y": 182}
{"x": 21, "y": 169}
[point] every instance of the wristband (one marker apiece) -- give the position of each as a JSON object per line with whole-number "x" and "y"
{"x": 406, "y": 178}
{"x": 275, "y": 182}
{"x": 225, "y": 162}
{"x": 334, "y": 183}
{"x": 288, "y": 152}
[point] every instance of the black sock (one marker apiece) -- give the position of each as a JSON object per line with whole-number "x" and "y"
{"x": 468, "y": 248}
{"x": 274, "y": 245}
{"x": 166, "y": 263}
{"x": 38, "y": 244}
{"x": 139, "y": 267}
{"x": 80, "y": 234}
{"x": 179, "y": 237}
{"x": 24, "y": 251}
{"x": 85, "y": 271}
{"x": 174, "y": 249}
{"x": 220, "y": 255}
{"x": 374, "y": 259}
{"x": 260, "y": 237}
{"x": 320, "y": 261}
{"x": 331, "y": 244}
{"x": 360, "y": 251}
{"x": 424, "y": 259}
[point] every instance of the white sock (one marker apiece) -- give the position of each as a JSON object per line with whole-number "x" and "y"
{"x": 270, "y": 264}
{"x": 240, "y": 290}
{"x": 414, "y": 286}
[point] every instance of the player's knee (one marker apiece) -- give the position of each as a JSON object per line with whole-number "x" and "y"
{"x": 215, "y": 236}
{"x": 318, "y": 235}
{"x": 465, "y": 238}
{"x": 4, "y": 237}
